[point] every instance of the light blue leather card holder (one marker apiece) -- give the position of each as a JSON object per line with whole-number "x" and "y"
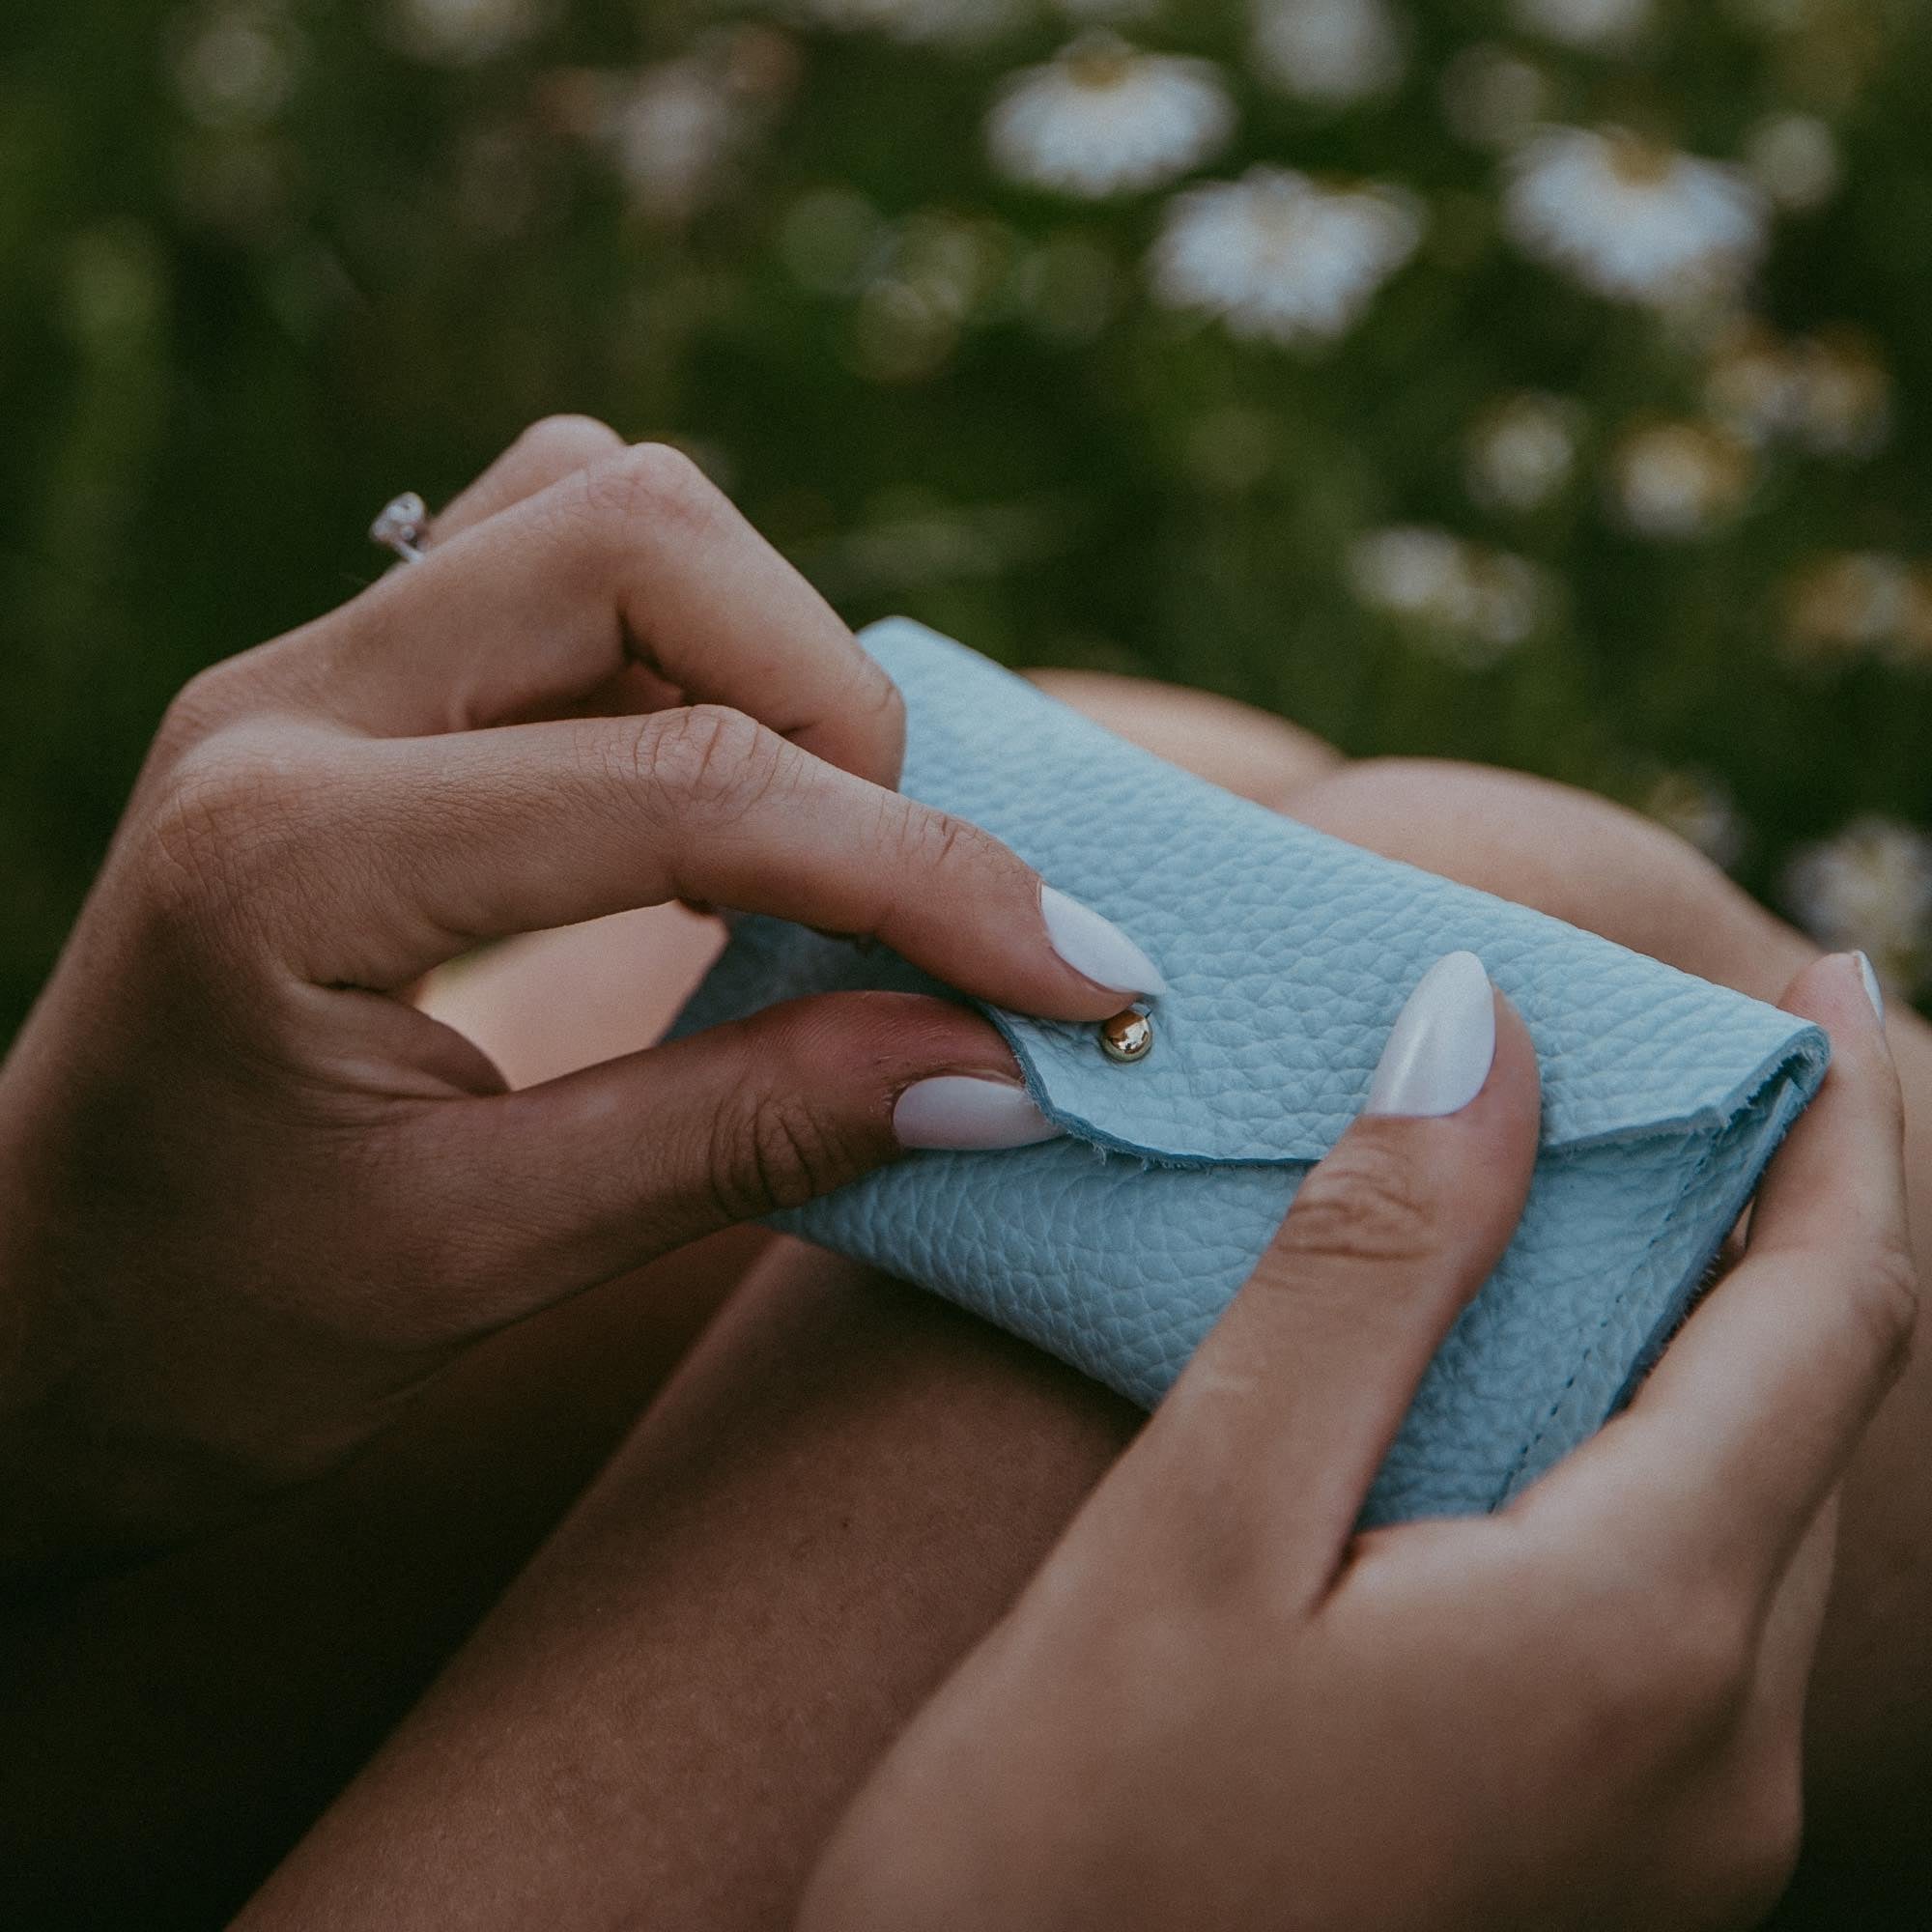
{"x": 1288, "y": 955}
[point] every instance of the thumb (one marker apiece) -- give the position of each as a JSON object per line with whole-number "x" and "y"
{"x": 1273, "y": 1434}
{"x": 586, "y": 1176}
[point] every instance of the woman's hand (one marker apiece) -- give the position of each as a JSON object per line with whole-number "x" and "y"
{"x": 249, "y": 1196}
{"x": 1220, "y": 1705}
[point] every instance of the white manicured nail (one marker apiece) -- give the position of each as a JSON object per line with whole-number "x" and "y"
{"x": 966, "y": 1114}
{"x": 1097, "y": 946}
{"x": 1874, "y": 992}
{"x": 1441, "y": 1046}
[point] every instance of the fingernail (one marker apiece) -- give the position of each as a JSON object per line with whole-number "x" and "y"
{"x": 967, "y": 1114}
{"x": 1097, "y": 946}
{"x": 1443, "y": 1044}
{"x": 1874, "y": 992}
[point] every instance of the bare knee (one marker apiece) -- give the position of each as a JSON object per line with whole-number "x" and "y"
{"x": 1235, "y": 745}
{"x": 1566, "y": 852}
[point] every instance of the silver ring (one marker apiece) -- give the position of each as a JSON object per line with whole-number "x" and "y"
{"x": 402, "y": 526}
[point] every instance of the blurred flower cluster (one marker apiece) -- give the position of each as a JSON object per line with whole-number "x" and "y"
{"x": 1538, "y": 380}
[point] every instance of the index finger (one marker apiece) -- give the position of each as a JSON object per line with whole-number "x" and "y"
{"x": 1748, "y": 1422}
{"x": 636, "y": 560}
{"x": 433, "y": 847}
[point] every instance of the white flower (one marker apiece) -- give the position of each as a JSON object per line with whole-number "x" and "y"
{"x": 1492, "y": 98}
{"x": 1752, "y": 385}
{"x": 1522, "y": 452}
{"x": 1407, "y": 570}
{"x": 236, "y": 65}
{"x": 1794, "y": 160}
{"x": 1868, "y": 886}
{"x": 1103, "y": 119}
{"x": 1584, "y": 23}
{"x": 1278, "y": 257}
{"x": 1632, "y": 221}
{"x": 961, "y": 22}
{"x": 673, "y": 129}
{"x": 1675, "y": 480}
{"x": 1470, "y": 603}
{"x": 1843, "y": 401}
{"x": 1700, "y": 811}
{"x": 461, "y": 33}
{"x": 1830, "y": 393}
{"x": 1862, "y": 604}
{"x": 1332, "y": 51}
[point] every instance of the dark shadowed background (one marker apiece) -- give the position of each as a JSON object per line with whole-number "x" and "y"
{"x": 1556, "y": 394}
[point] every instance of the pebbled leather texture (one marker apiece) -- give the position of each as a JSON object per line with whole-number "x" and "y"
{"x": 1288, "y": 954}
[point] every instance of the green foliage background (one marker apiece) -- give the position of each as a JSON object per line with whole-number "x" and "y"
{"x": 229, "y": 331}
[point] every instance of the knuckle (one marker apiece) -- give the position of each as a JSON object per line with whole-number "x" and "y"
{"x": 772, "y": 1153}
{"x": 707, "y": 759}
{"x": 936, "y": 841}
{"x": 652, "y": 483}
{"x": 565, "y": 442}
{"x": 1882, "y": 1300}
{"x": 207, "y": 701}
{"x": 1368, "y": 1202}
{"x": 1666, "y": 1673}
{"x": 869, "y": 721}
{"x": 881, "y": 697}
{"x": 920, "y": 847}
{"x": 881, "y": 706}
{"x": 202, "y": 832}
{"x": 218, "y": 834}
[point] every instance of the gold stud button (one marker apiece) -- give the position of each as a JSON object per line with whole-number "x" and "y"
{"x": 1128, "y": 1035}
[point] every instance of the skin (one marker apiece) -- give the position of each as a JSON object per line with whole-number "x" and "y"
{"x": 663, "y": 1721}
{"x": 271, "y": 1197}
{"x": 913, "y": 1469}
{"x": 893, "y": 1483}
{"x": 1583, "y": 1711}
